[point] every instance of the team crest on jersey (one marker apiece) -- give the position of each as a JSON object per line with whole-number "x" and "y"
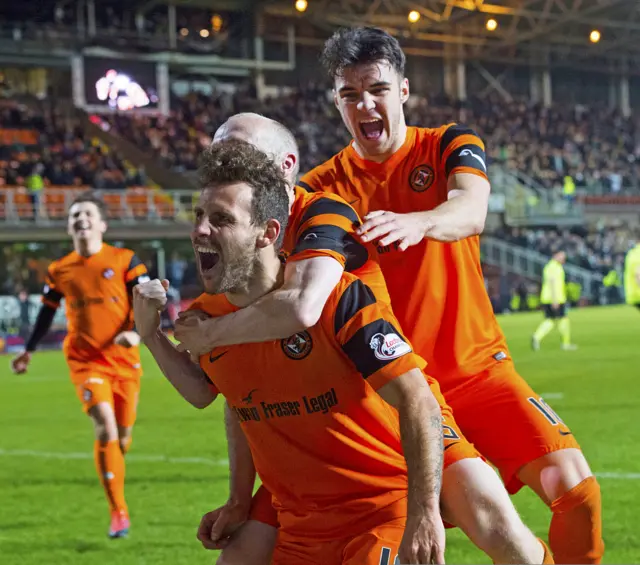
{"x": 87, "y": 395}
{"x": 389, "y": 346}
{"x": 297, "y": 346}
{"x": 421, "y": 178}
{"x": 108, "y": 273}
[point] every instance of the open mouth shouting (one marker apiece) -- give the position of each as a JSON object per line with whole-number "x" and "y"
{"x": 208, "y": 257}
{"x": 372, "y": 129}
{"x": 82, "y": 228}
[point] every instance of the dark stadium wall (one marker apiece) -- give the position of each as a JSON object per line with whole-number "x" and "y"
{"x": 515, "y": 80}
{"x": 578, "y": 87}
{"x": 634, "y": 93}
{"x": 426, "y": 75}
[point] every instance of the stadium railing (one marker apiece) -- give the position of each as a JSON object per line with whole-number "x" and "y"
{"x": 529, "y": 203}
{"x": 49, "y": 207}
{"x": 528, "y": 263}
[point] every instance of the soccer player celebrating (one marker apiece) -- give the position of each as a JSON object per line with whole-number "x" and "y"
{"x": 320, "y": 227}
{"x": 424, "y": 197}
{"x": 101, "y": 346}
{"x": 354, "y": 482}
{"x": 632, "y": 276}
{"x": 553, "y": 297}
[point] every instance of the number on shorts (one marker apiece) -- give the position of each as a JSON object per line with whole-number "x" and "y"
{"x": 385, "y": 557}
{"x": 546, "y": 410}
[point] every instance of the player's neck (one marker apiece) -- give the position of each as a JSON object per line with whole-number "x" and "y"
{"x": 268, "y": 277}
{"x": 87, "y": 248}
{"x": 400, "y": 138}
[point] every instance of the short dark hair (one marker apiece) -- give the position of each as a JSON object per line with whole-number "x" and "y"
{"x": 348, "y": 47}
{"x": 91, "y": 197}
{"x": 233, "y": 160}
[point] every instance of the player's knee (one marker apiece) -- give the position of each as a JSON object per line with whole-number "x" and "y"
{"x": 252, "y": 543}
{"x": 238, "y": 554}
{"x": 104, "y": 422}
{"x": 554, "y": 474}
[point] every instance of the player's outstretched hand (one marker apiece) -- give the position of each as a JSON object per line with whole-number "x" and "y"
{"x": 20, "y": 363}
{"x": 423, "y": 540}
{"x": 195, "y": 330}
{"x": 149, "y": 299}
{"x": 217, "y": 527}
{"x": 127, "y": 339}
{"x": 388, "y": 227}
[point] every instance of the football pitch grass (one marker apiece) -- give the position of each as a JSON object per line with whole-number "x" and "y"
{"x": 52, "y": 510}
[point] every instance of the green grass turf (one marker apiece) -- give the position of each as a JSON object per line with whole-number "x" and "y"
{"x": 52, "y": 510}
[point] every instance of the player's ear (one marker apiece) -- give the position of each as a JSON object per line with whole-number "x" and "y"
{"x": 335, "y": 98}
{"x": 289, "y": 165}
{"x": 404, "y": 90}
{"x": 270, "y": 234}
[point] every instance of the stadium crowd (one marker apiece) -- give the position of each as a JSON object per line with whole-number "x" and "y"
{"x": 600, "y": 248}
{"x": 550, "y": 145}
{"x": 41, "y": 147}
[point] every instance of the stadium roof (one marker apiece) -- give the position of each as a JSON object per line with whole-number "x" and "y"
{"x": 554, "y": 32}
{"x": 528, "y": 31}
{"x": 542, "y": 32}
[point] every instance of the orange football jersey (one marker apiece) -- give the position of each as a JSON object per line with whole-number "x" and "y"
{"x": 97, "y": 292}
{"x": 323, "y": 442}
{"x": 324, "y": 225}
{"x": 437, "y": 289}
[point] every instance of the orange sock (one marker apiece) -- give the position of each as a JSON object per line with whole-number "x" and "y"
{"x": 110, "y": 466}
{"x": 575, "y": 535}
{"x": 547, "y": 558}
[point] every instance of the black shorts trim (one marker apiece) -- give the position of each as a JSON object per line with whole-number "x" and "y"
{"x": 552, "y": 314}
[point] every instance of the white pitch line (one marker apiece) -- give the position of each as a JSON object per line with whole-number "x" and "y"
{"x": 132, "y": 457}
{"x": 552, "y": 395}
{"x": 615, "y": 475}
{"x": 619, "y": 476}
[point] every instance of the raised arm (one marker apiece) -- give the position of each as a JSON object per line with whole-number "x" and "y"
{"x": 294, "y": 307}
{"x": 187, "y": 377}
{"x": 325, "y": 247}
{"x": 464, "y": 212}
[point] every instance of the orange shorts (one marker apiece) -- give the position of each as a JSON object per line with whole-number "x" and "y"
{"x": 456, "y": 448}
{"x": 377, "y": 545}
{"x": 93, "y": 387}
{"x": 507, "y": 421}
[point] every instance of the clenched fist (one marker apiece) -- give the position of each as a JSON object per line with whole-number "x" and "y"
{"x": 149, "y": 299}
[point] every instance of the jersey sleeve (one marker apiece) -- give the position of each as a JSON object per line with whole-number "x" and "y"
{"x": 136, "y": 273}
{"x": 370, "y": 336}
{"x": 462, "y": 151}
{"x": 51, "y": 295}
{"x": 327, "y": 228}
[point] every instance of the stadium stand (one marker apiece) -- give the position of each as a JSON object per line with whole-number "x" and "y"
{"x": 559, "y": 147}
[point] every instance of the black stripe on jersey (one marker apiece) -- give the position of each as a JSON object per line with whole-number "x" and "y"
{"x": 469, "y": 155}
{"x": 366, "y": 347}
{"x": 329, "y": 206}
{"x": 132, "y": 283}
{"x": 334, "y": 238}
{"x": 305, "y": 186}
{"x": 135, "y": 261}
{"x": 451, "y": 133}
{"x": 51, "y": 295}
{"x": 357, "y": 296}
